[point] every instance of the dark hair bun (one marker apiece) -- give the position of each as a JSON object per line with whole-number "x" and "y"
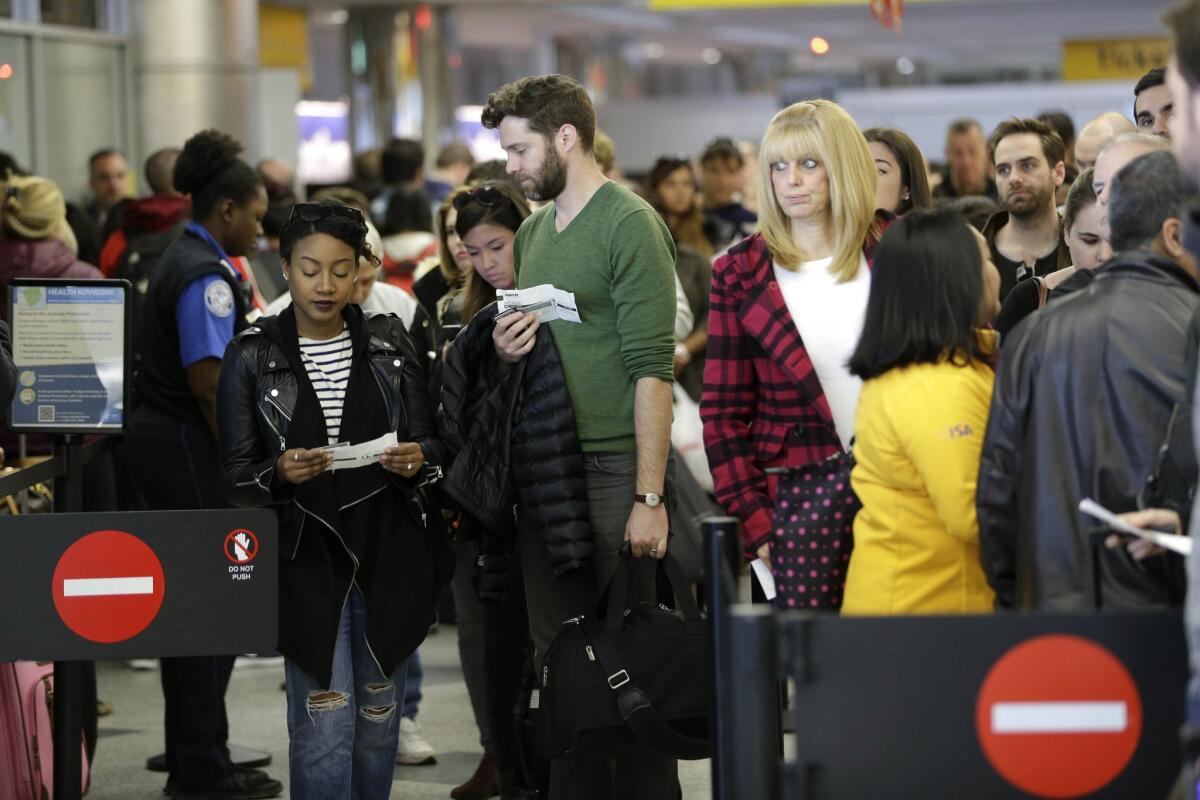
{"x": 204, "y": 156}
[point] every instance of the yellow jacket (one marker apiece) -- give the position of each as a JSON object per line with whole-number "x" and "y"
{"x": 918, "y": 436}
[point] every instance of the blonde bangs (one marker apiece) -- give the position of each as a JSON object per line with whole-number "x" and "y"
{"x": 794, "y": 133}
{"x": 822, "y": 130}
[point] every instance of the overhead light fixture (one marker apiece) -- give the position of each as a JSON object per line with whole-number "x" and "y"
{"x": 819, "y": 45}
{"x": 710, "y": 55}
{"x": 653, "y": 50}
{"x": 905, "y": 65}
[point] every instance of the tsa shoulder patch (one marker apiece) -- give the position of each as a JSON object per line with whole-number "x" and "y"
{"x": 218, "y": 297}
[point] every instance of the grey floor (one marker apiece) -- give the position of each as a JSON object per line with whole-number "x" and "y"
{"x": 256, "y": 717}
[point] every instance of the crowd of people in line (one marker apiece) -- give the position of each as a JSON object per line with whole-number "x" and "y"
{"x": 973, "y": 349}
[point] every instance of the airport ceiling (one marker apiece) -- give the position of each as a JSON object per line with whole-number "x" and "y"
{"x": 944, "y": 34}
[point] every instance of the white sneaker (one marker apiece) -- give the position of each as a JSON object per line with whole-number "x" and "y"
{"x": 414, "y": 751}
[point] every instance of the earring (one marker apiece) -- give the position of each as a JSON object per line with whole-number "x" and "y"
{"x": 906, "y": 195}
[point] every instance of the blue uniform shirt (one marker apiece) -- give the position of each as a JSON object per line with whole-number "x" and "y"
{"x": 204, "y": 313}
{"x": 204, "y": 318}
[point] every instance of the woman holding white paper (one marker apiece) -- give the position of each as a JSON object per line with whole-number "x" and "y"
{"x": 322, "y": 374}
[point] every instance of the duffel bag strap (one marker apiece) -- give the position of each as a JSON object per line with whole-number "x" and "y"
{"x": 618, "y": 592}
{"x": 635, "y": 706}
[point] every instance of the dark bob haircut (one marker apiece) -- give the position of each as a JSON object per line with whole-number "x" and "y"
{"x": 209, "y": 170}
{"x": 350, "y": 228}
{"x": 926, "y": 288}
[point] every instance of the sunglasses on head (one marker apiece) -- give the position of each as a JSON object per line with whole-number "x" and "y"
{"x": 487, "y": 196}
{"x": 313, "y": 212}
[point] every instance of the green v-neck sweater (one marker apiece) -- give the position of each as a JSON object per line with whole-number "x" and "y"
{"x": 618, "y": 259}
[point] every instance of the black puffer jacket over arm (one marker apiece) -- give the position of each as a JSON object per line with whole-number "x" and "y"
{"x": 516, "y": 443}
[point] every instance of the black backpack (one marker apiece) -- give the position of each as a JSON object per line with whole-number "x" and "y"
{"x": 142, "y": 252}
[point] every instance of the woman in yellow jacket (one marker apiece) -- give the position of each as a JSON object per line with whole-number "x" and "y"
{"x": 924, "y": 360}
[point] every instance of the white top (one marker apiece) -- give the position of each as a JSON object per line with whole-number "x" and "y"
{"x": 829, "y": 316}
{"x": 685, "y": 320}
{"x": 384, "y": 298}
{"x": 327, "y": 363}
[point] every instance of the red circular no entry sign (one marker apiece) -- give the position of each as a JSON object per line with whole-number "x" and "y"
{"x": 108, "y": 586}
{"x": 1059, "y": 716}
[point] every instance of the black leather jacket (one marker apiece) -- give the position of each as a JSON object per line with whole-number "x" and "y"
{"x": 363, "y": 527}
{"x": 1084, "y": 393}
{"x": 251, "y": 481}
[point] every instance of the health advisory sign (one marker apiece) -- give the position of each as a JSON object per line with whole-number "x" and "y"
{"x": 71, "y": 348}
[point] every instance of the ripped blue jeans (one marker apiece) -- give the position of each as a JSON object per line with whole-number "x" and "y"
{"x": 343, "y": 739}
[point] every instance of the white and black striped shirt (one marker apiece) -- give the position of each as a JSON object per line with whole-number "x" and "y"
{"x": 328, "y": 365}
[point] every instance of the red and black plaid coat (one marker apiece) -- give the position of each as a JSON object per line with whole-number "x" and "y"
{"x": 763, "y": 405}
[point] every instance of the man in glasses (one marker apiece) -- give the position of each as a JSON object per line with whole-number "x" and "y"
{"x": 612, "y": 250}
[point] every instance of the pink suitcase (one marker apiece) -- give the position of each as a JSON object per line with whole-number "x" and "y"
{"x": 26, "y": 743}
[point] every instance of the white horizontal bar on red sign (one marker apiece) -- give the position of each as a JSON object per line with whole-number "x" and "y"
{"x": 1060, "y": 717}
{"x": 107, "y": 587}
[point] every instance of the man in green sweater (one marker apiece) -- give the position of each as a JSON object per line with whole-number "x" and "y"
{"x": 612, "y": 250}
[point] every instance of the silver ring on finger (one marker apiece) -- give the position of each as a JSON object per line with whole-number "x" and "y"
{"x": 407, "y": 467}
{"x": 653, "y": 551}
{"x": 296, "y": 456}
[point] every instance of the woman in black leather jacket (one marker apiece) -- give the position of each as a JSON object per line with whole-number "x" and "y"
{"x": 364, "y": 537}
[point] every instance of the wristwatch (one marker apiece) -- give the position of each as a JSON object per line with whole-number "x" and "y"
{"x": 650, "y": 499}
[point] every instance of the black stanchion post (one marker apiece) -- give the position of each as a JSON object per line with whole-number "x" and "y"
{"x": 68, "y": 705}
{"x": 721, "y": 556}
{"x": 753, "y": 766}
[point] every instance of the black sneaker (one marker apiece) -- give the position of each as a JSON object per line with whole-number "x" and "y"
{"x": 244, "y": 784}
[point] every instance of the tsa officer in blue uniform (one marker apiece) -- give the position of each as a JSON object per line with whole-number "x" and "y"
{"x": 193, "y": 307}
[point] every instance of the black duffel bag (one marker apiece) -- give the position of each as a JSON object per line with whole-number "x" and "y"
{"x": 644, "y": 671}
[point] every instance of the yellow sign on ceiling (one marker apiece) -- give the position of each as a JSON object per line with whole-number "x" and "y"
{"x": 1113, "y": 59}
{"x": 694, "y": 5}
{"x": 283, "y": 40}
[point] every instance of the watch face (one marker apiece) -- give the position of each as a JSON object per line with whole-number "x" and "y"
{"x": 651, "y": 499}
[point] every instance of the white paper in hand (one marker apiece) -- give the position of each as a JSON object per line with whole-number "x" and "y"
{"x": 353, "y": 456}
{"x": 543, "y": 301}
{"x": 765, "y": 579}
{"x": 1168, "y": 541}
